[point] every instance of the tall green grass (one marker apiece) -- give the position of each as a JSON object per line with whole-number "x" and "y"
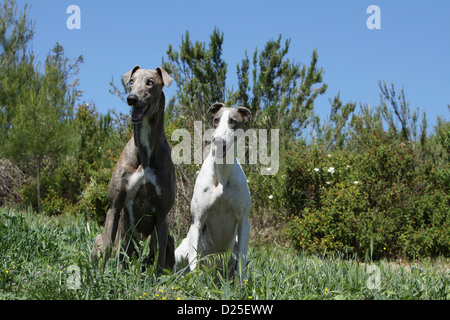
{"x": 37, "y": 252}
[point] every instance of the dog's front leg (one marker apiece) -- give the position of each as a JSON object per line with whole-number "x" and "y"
{"x": 111, "y": 227}
{"x": 199, "y": 206}
{"x": 240, "y": 249}
{"x": 162, "y": 231}
{"x": 104, "y": 243}
{"x": 195, "y": 242}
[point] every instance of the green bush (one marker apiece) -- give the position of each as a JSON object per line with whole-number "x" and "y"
{"x": 267, "y": 203}
{"x": 62, "y": 188}
{"x": 53, "y": 204}
{"x": 380, "y": 200}
{"x": 94, "y": 199}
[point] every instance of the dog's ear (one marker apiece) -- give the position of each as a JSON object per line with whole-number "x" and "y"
{"x": 127, "y": 76}
{"x": 216, "y": 107}
{"x": 245, "y": 113}
{"x": 167, "y": 80}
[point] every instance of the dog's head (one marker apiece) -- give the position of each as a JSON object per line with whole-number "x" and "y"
{"x": 145, "y": 90}
{"x": 227, "y": 122}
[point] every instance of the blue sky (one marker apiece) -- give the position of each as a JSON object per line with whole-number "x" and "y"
{"x": 412, "y": 48}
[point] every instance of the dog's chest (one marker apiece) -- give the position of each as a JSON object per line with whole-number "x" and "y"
{"x": 227, "y": 197}
{"x": 142, "y": 178}
{"x": 142, "y": 198}
{"x": 226, "y": 200}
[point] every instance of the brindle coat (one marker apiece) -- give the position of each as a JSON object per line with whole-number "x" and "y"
{"x": 142, "y": 187}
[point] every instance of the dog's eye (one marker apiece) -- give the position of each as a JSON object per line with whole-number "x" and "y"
{"x": 232, "y": 121}
{"x": 149, "y": 82}
{"x": 216, "y": 120}
{"x": 131, "y": 81}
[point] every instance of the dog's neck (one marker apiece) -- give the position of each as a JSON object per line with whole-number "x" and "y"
{"x": 222, "y": 170}
{"x": 148, "y": 135}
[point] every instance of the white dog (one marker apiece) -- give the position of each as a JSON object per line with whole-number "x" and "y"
{"x": 221, "y": 202}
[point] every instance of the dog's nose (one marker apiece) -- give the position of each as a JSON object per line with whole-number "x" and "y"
{"x": 132, "y": 99}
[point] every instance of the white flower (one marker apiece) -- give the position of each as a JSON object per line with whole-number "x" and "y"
{"x": 248, "y": 181}
{"x": 329, "y": 155}
{"x": 331, "y": 170}
{"x": 328, "y": 182}
{"x": 355, "y": 182}
{"x": 271, "y": 197}
{"x": 316, "y": 169}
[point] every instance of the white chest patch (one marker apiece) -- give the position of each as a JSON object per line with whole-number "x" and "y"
{"x": 140, "y": 177}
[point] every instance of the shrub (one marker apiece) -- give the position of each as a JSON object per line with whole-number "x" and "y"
{"x": 379, "y": 200}
{"x": 11, "y": 178}
{"x": 94, "y": 199}
{"x": 53, "y": 204}
{"x": 267, "y": 203}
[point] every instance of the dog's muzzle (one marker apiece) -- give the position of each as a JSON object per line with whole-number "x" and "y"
{"x": 138, "y": 112}
{"x": 221, "y": 146}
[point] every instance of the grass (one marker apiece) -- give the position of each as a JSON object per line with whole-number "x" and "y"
{"x": 37, "y": 254}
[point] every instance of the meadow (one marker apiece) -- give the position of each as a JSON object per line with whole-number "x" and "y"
{"x": 48, "y": 258}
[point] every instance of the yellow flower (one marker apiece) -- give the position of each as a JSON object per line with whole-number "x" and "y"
{"x": 249, "y": 297}
{"x": 157, "y": 295}
{"x": 384, "y": 248}
{"x": 6, "y": 271}
{"x": 326, "y": 290}
{"x": 178, "y": 298}
{"x": 145, "y": 293}
{"x": 161, "y": 291}
{"x": 175, "y": 288}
